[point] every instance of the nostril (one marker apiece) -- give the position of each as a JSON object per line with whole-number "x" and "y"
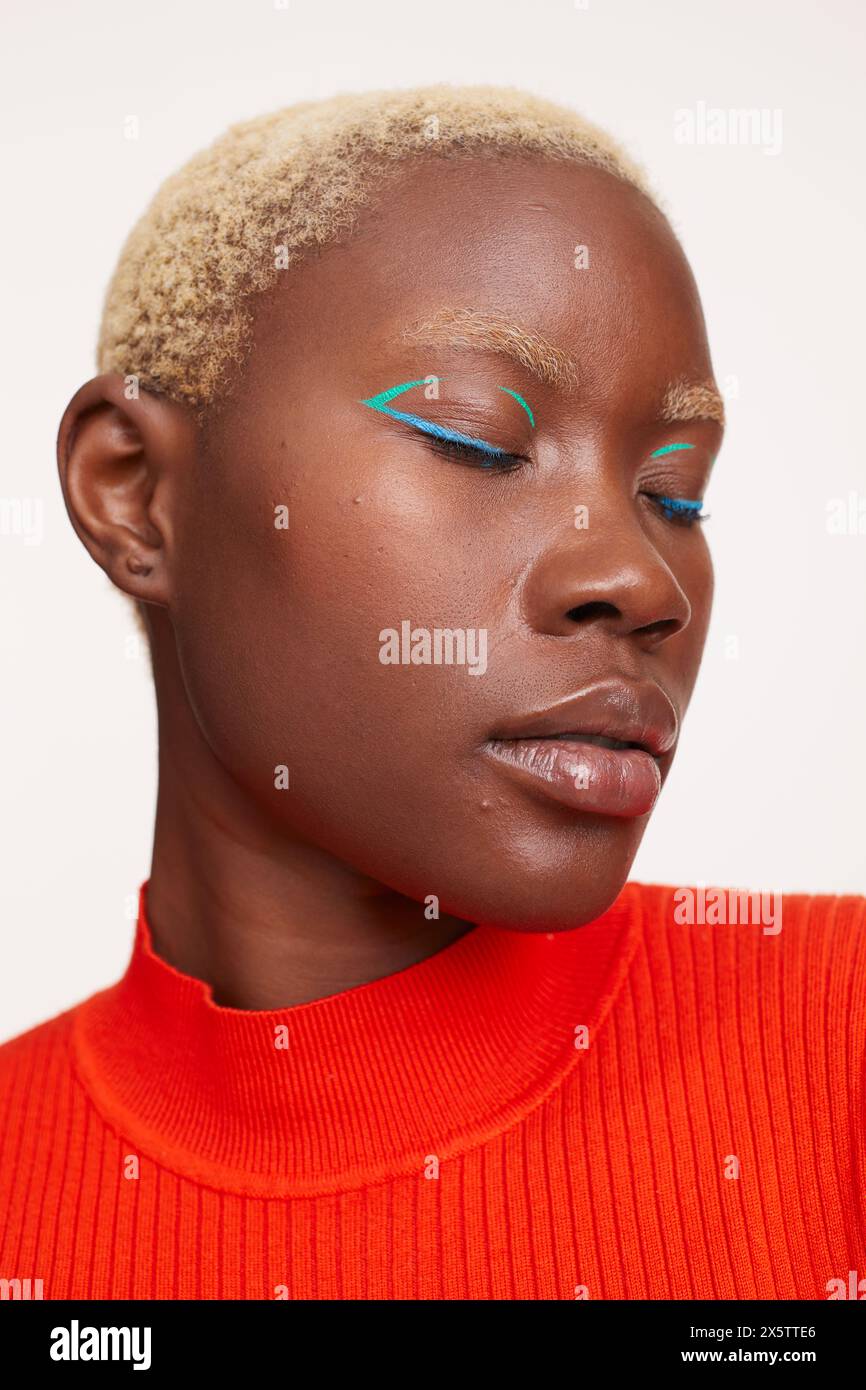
{"x": 665, "y": 627}
{"x": 590, "y": 612}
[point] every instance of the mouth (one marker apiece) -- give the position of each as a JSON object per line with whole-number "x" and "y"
{"x": 596, "y": 740}
{"x": 599, "y": 751}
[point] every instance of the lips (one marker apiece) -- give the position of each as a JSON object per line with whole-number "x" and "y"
{"x": 597, "y": 751}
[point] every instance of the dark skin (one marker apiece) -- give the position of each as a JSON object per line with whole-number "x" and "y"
{"x": 265, "y": 641}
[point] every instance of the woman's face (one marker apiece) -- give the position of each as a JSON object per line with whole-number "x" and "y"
{"x": 576, "y": 600}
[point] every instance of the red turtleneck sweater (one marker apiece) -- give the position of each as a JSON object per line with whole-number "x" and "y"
{"x": 633, "y": 1109}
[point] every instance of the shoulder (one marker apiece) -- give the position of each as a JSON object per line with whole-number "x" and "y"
{"x": 44, "y": 1116}
{"x": 811, "y": 944}
{"x": 772, "y": 993}
{"x": 770, "y": 912}
{"x": 30, "y": 1059}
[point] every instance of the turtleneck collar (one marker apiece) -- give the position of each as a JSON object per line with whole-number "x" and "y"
{"x": 355, "y": 1087}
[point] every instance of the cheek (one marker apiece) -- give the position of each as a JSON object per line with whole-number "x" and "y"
{"x": 279, "y": 632}
{"x": 284, "y": 670}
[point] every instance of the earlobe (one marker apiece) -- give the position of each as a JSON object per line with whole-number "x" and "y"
{"x": 138, "y": 566}
{"x": 119, "y": 461}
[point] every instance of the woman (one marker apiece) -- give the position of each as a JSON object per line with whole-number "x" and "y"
{"x": 403, "y": 427}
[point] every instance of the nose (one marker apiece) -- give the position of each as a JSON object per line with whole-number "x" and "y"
{"x": 608, "y": 576}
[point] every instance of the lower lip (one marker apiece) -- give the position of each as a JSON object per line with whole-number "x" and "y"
{"x": 602, "y": 781}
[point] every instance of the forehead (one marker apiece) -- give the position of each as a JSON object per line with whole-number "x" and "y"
{"x": 568, "y": 251}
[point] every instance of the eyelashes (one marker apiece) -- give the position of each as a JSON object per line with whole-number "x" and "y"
{"x": 451, "y": 442}
{"x": 685, "y": 511}
{"x": 490, "y": 454}
{"x": 682, "y": 511}
{"x": 478, "y": 453}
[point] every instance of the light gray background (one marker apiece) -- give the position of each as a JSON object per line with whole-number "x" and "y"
{"x": 766, "y": 791}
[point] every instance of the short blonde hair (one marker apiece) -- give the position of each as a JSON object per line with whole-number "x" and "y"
{"x": 177, "y": 313}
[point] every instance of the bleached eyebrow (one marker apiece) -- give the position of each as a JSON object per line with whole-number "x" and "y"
{"x": 698, "y": 400}
{"x": 473, "y": 328}
{"x": 470, "y": 328}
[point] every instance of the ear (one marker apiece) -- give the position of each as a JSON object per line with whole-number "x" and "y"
{"x": 120, "y": 462}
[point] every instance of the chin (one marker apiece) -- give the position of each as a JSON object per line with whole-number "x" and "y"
{"x": 544, "y": 884}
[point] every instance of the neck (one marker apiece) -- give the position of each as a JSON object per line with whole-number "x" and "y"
{"x": 265, "y": 918}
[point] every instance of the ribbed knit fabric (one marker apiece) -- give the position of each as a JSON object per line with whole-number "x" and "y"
{"x": 633, "y": 1109}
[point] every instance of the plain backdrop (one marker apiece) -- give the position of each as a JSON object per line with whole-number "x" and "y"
{"x": 766, "y": 790}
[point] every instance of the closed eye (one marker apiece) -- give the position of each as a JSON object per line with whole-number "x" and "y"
{"x": 453, "y": 444}
{"x": 442, "y": 432}
{"x": 683, "y": 510}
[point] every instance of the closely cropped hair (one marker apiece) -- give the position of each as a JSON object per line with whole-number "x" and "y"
{"x": 177, "y": 314}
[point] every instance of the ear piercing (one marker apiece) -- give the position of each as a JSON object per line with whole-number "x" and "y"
{"x": 137, "y": 566}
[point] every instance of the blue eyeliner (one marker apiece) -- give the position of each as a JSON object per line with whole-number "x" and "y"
{"x": 677, "y": 506}
{"x": 440, "y": 432}
{"x": 681, "y": 505}
{"x": 380, "y": 403}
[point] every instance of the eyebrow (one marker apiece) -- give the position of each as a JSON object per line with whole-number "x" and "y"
{"x": 698, "y": 400}
{"x": 470, "y": 328}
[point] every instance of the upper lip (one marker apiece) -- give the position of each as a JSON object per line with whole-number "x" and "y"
{"x": 635, "y": 712}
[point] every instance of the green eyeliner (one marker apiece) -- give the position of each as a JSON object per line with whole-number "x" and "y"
{"x": 669, "y": 449}
{"x": 521, "y": 401}
{"x": 381, "y": 402}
